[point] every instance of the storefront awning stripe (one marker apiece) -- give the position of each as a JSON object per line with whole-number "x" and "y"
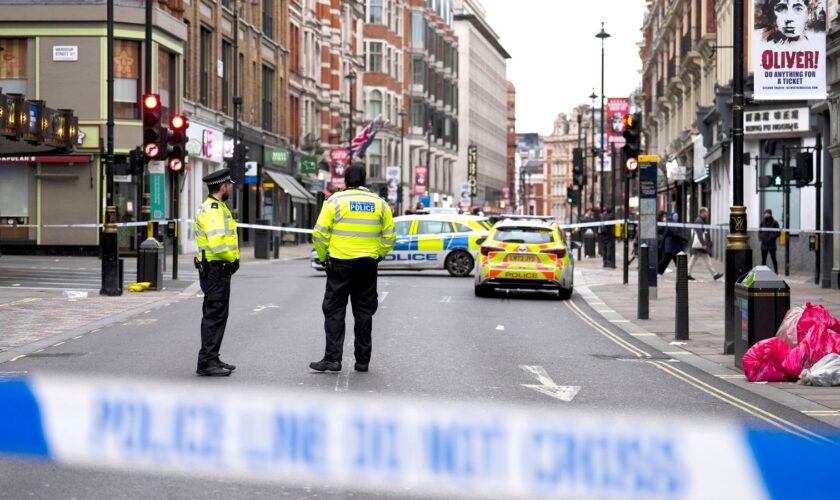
{"x": 291, "y": 187}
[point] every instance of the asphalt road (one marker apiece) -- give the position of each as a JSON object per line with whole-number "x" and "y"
{"x": 432, "y": 338}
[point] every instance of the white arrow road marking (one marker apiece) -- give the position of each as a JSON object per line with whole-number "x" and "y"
{"x": 547, "y": 386}
{"x": 263, "y": 307}
{"x": 500, "y": 327}
{"x": 383, "y": 296}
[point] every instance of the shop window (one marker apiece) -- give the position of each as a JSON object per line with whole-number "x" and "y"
{"x": 126, "y": 79}
{"x": 13, "y": 71}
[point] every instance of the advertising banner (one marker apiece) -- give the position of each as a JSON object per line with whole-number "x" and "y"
{"x": 465, "y": 195}
{"x": 472, "y": 170}
{"x": 421, "y": 179}
{"x": 616, "y": 108}
{"x": 789, "y": 49}
{"x": 338, "y": 163}
{"x": 157, "y": 189}
{"x": 392, "y": 177}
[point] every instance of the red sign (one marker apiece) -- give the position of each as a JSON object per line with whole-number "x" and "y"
{"x": 338, "y": 164}
{"x": 617, "y": 108}
{"x": 421, "y": 180}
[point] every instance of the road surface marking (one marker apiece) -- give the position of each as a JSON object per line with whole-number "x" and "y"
{"x": 140, "y": 322}
{"x": 21, "y": 301}
{"x": 40, "y": 350}
{"x": 263, "y": 307}
{"x": 56, "y": 345}
{"x": 821, "y": 413}
{"x": 77, "y": 337}
{"x": 342, "y": 383}
{"x": 383, "y": 296}
{"x": 17, "y": 357}
{"x": 500, "y": 327}
{"x": 643, "y": 335}
{"x": 446, "y": 298}
{"x": 547, "y": 386}
{"x": 678, "y": 353}
{"x": 732, "y": 376}
{"x": 737, "y": 402}
{"x": 610, "y": 335}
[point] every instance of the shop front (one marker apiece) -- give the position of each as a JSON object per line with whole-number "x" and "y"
{"x": 287, "y": 202}
{"x": 205, "y": 147}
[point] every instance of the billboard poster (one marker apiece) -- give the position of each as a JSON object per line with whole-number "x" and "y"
{"x": 617, "y": 108}
{"x": 392, "y": 177}
{"x": 789, "y": 49}
{"x": 421, "y": 179}
{"x": 338, "y": 163}
{"x": 466, "y": 201}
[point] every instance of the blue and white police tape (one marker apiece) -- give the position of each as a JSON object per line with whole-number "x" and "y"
{"x": 401, "y": 445}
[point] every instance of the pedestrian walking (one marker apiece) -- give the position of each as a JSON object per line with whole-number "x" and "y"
{"x": 673, "y": 242}
{"x": 218, "y": 260}
{"x": 768, "y": 238}
{"x": 355, "y": 230}
{"x": 701, "y": 245}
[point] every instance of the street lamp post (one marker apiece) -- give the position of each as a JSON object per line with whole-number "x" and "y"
{"x": 738, "y": 252}
{"x": 351, "y": 77}
{"x": 402, "y": 115}
{"x": 582, "y": 188}
{"x": 111, "y": 284}
{"x": 603, "y": 35}
{"x": 592, "y": 98}
{"x": 429, "y": 157}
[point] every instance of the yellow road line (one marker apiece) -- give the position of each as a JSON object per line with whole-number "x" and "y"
{"x": 17, "y": 358}
{"x": 21, "y": 301}
{"x": 78, "y": 337}
{"x": 737, "y": 402}
{"x": 56, "y": 345}
{"x": 643, "y": 335}
{"x": 821, "y": 413}
{"x": 610, "y": 335}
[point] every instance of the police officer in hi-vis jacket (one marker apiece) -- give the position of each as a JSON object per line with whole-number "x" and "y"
{"x": 355, "y": 230}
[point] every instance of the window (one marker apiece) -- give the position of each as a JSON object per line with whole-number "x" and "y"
{"x": 374, "y": 159}
{"x": 402, "y": 227}
{"x": 418, "y": 112}
{"x": 374, "y": 105}
{"x": 374, "y": 59}
{"x": 462, "y": 228}
{"x": 227, "y": 61}
{"x": 418, "y": 30}
{"x": 532, "y": 235}
{"x": 166, "y": 84}
{"x": 375, "y": 12}
{"x": 267, "y": 98}
{"x": 13, "y": 71}
{"x": 126, "y": 79}
{"x": 204, "y": 58}
{"x": 418, "y": 70}
{"x": 268, "y": 18}
{"x": 432, "y": 227}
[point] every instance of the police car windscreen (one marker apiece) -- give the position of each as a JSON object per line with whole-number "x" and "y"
{"x": 533, "y": 235}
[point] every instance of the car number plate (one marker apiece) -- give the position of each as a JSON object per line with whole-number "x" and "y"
{"x": 522, "y": 258}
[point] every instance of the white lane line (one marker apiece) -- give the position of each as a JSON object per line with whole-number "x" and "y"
{"x": 263, "y": 307}
{"x": 342, "y": 383}
{"x": 547, "y": 386}
{"x": 383, "y": 296}
{"x": 446, "y": 299}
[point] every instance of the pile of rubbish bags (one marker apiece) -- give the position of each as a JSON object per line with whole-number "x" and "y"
{"x": 806, "y": 348}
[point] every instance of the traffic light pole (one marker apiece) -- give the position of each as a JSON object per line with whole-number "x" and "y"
{"x": 142, "y": 198}
{"x": 173, "y": 181}
{"x": 626, "y": 175}
{"x": 108, "y": 240}
{"x": 738, "y": 252}
{"x": 611, "y": 240}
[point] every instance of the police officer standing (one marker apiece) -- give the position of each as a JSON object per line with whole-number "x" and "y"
{"x": 355, "y": 230}
{"x": 217, "y": 261}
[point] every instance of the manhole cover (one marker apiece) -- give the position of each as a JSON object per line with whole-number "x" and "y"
{"x": 55, "y": 354}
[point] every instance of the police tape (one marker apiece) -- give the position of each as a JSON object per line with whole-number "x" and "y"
{"x": 399, "y": 446}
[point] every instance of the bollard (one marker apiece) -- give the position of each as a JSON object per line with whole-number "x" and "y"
{"x": 579, "y": 238}
{"x": 643, "y": 297}
{"x": 276, "y": 247}
{"x": 681, "y": 316}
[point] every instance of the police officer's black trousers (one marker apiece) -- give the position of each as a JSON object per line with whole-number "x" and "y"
{"x": 216, "y": 287}
{"x": 355, "y": 279}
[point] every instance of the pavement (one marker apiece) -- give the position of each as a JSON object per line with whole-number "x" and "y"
{"x": 432, "y": 339}
{"x": 601, "y": 288}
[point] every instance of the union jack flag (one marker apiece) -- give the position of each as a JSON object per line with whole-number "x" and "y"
{"x": 362, "y": 141}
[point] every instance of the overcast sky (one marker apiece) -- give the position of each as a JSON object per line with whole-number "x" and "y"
{"x": 556, "y": 59}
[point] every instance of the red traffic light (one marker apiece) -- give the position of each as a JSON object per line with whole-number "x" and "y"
{"x": 628, "y": 121}
{"x": 178, "y": 122}
{"x": 151, "y": 101}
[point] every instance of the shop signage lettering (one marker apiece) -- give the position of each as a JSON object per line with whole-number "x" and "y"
{"x": 776, "y": 121}
{"x": 472, "y": 170}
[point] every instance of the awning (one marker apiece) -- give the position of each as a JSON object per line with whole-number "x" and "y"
{"x": 291, "y": 187}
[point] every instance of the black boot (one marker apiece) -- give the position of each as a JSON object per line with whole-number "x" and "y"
{"x": 324, "y": 365}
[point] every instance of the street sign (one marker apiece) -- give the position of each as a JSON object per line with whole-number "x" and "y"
{"x": 157, "y": 188}
{"x": 648, "y": 172}
{"x": 250, "y": 172}
{"x": 472, "y": 170}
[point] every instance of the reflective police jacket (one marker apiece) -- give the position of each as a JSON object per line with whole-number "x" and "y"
{"x": 354, "y": 223}
{"x": 215, "y": 232}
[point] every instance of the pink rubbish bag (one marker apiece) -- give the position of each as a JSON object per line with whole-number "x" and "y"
{"x": 813, "y": 317}
{"x": 763, "y": 361}
{"x": 819, "y": 342}
{"x": 787, "y": 330}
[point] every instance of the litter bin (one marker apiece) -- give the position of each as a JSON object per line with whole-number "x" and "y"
{"x": 589, "y": 243}
{"x": 761, "y": 300}
{"x": 262, "y": 241}
{"x": 149, "y": 266}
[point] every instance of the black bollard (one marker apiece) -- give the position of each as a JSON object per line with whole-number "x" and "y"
{"x": 644, "y": 291}
{"x": 681, "y": 316}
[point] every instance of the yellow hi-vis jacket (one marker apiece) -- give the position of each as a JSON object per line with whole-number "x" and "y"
{"x": 215, "y": 232}
{"x": 353, "y": 224}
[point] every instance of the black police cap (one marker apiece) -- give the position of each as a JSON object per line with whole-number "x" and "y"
{"x": 218, "y": 177}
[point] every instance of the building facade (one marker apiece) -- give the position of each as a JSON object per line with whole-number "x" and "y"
{"x": 482, "y": 85}
{"x": 57, "y": 52}
{"x": 531, "y": 178}
{"x": 568, "y": 134}
{"x": 509, "y": 190}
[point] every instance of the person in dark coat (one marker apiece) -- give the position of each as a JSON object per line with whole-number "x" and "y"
{"x": 768, "y": 239}
{"x": 673, "y": 241}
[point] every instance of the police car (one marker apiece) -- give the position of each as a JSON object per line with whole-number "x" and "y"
{"x": 440, "y": 241}
{"x": 525, "y": 254}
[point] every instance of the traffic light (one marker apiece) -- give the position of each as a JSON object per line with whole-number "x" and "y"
{"x": 632, "y": 135}
{"x": 176, "y": 143}
{"x": 152, "y": 127}
{"x": 136, "y": 162}
{"x": 577, "y": 167}
{"x": 778, "y": 175}
{"x": 571, "y": 195}
{"x": 237, "y": 163}
{"x": 804, "y": 170}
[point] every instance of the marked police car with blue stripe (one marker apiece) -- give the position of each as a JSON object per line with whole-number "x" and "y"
{"x": 434, "y": 242}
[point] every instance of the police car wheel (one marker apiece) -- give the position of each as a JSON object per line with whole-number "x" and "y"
{"x": 459, "y": 264}
{"x": 564, "y": 293}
